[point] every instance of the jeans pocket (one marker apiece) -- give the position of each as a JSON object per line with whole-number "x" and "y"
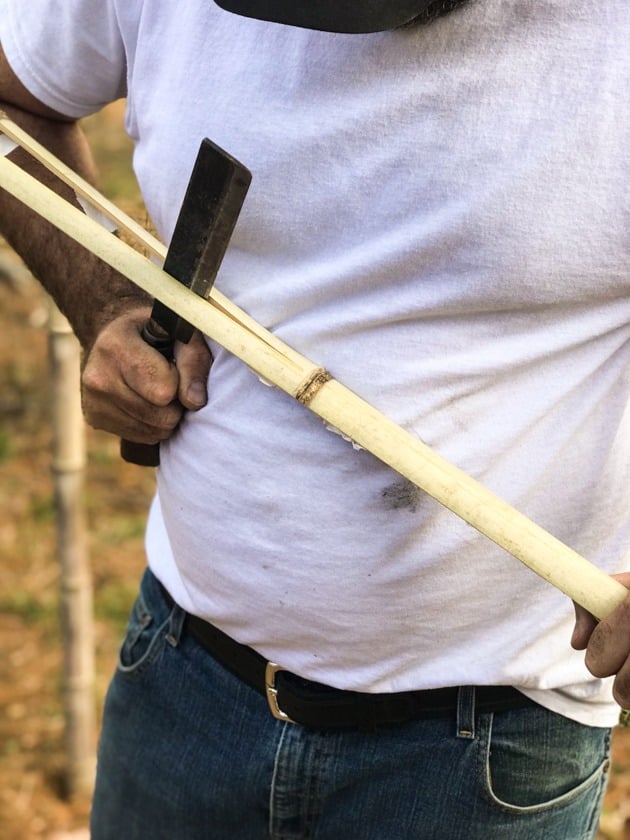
{"x": 539, "y": 760}
{"x": 143, "y": 638}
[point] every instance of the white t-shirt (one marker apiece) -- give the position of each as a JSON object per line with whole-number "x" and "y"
{"x": 439, "y": 216}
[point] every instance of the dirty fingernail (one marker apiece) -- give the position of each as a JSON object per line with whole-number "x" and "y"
{"x": 197, "y": 393}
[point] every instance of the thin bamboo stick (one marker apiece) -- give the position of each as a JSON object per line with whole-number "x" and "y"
{"x": 68, "y": 465}
{"x": 78, "y": 184}
{"x": 301, "y": 379}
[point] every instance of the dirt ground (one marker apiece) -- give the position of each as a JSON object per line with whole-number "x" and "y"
{"x": 33, "y": 801}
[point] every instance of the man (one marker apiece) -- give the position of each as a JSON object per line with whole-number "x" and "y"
{"x": 439, "y": 217}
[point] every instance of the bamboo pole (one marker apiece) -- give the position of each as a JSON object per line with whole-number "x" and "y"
{"x": 68, "y": 468}
{"x": 283, "y": 367}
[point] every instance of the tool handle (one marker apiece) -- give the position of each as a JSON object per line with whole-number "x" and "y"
{"x": 148, "y": 454}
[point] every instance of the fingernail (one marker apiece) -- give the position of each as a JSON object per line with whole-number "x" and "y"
{"x": 197, "y": 393}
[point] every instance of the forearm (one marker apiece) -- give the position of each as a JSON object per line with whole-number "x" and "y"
{"x": 88, "y": 292}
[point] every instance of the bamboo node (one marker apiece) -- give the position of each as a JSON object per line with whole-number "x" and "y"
{"x": 316, "y": 380}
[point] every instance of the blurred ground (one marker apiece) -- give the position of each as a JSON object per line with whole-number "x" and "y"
{"x": 33, "y": 803}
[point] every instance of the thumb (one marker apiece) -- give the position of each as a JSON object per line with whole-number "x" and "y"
{"x": 193, "y": 361}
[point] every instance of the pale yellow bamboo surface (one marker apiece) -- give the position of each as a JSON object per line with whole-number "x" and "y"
{"x": 282, "y": 366}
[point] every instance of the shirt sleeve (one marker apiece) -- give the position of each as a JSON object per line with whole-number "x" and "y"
{"x": 69, "y": 54}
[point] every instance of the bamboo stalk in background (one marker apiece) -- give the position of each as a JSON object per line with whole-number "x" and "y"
{"x": 283, "y": 367}
{"x": 68, "y": 466}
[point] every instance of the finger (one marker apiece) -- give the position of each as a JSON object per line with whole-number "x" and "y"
{"x": 609, "y": 645}
{"x": 623, "y": 577}
{"x": 137, "y": 431}
{"x": 120, "y": 357}
{"x": 621, "y": 686}
{"x": 148, "y": 374}
{"x": 128, "y": 388}
{"x": 140, "y": 421}
{"x": 585, "y": 623}
{"x": 128, "y": 415}
{"x": 193, "y": 361}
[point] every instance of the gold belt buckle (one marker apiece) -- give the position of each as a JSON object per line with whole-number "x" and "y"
{"x": 272, "y": 692}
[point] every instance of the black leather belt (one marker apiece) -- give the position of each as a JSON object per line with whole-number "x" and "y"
{"x": 316, "y": 706}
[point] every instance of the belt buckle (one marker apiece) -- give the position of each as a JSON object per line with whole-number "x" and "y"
{"x": 272, "y": 692}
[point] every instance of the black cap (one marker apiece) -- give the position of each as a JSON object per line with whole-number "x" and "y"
{"x": 350, "y": 16}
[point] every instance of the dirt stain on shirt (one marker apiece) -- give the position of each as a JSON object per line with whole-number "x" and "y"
{"x": 401, "y": 495}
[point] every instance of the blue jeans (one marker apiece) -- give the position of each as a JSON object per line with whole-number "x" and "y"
{"x": 188, "y": 752}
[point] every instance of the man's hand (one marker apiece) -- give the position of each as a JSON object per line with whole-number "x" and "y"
{"x": 607, "y": 644}
{"x": 132, "y": 391}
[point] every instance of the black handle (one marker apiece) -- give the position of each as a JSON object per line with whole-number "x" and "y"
{"x": 148, "y": 454}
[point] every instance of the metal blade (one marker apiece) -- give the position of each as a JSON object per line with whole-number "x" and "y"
{"x": 211, "y": 206}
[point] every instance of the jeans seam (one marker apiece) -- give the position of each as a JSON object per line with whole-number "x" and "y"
{"x": 147, "y": 659}
{"x": 274, "y": 778}
{"x": 305, "y": 775}
{"x": 593, "y": 824}
{"x": 168, "y": 630}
